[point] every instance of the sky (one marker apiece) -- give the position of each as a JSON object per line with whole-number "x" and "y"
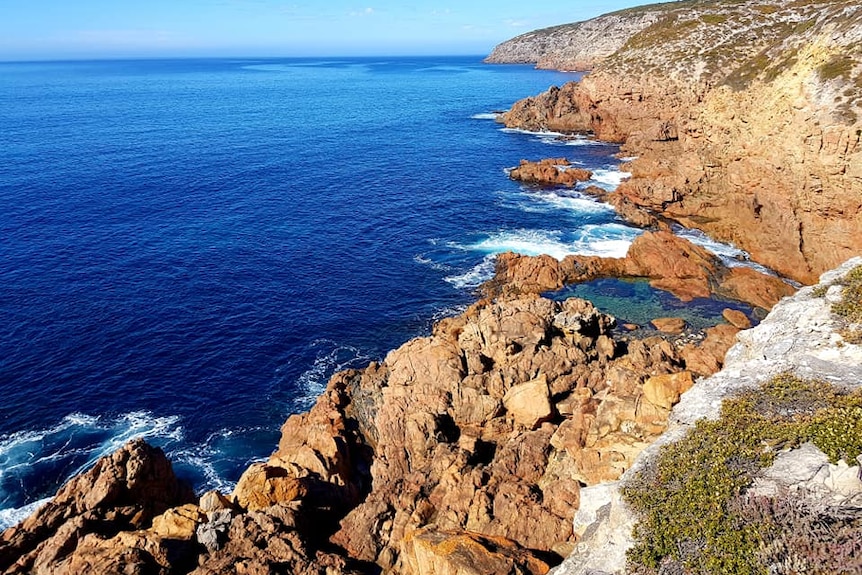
{"x": 68, "y": 29}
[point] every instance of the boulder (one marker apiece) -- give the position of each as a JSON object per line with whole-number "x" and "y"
{"x": 665, "y": 390}
{"x": 671, "y": 325}
{"x": 549, "y": 172}
{"x": 529, "y": 403}
{"x": 736, "y": 318}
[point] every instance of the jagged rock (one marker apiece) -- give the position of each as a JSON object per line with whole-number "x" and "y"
{"x": 665, "y": 390}
{"x": 178, "y": 522}
{"x": 123, "y": 491}
{"x": 549, "y": 172}
{"x": 529, "y": 403}
{"x": 707, "y": 357}
{"x": 263, "y": 486}
{"x": 213, "y": 533}
{"x": 214, "y": 501}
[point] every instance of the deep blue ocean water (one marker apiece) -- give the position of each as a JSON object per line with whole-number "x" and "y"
{"x": 190, "y": 248}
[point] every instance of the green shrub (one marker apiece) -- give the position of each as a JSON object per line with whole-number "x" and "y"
{"x": 850, "y": 306}
{"x": 684, "y": 500}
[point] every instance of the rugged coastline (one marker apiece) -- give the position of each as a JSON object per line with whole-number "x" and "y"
{"x": 753, "y": 137}
{"x": 471, "y": 450}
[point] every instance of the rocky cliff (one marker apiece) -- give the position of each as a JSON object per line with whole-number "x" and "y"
{"x": 802, "y": 336}
{"x": 468, "y": 451}
{"x": 577, "y": 47}
{"x": 745, "y": 121}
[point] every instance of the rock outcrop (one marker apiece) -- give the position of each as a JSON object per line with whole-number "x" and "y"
{"x": 123, "y": 492}
{"x": 549, "y": 172}
{"x": 461, "y": 452}
{"x": 753, "y": 137}
{"x": 671, "y": 263}
{"x": 800, "y": 336}
{"x": 577, "y": 47}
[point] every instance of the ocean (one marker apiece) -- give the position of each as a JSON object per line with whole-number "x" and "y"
{"x": 189, "y": 249}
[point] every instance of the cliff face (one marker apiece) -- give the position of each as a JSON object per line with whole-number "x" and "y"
{"x": 578, "y": 47}
{"x": 745, "y": 120}
{"x": 801, "y": 336}
{"x": 462, "y": 452}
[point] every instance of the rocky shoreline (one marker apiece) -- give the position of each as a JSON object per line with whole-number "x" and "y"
{"x": 471, "y": 450}
{"x": 754, "y": 140}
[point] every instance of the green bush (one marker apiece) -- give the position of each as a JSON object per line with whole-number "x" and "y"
{"x": 684, "y": 500}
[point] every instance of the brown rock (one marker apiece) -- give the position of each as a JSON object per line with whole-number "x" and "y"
{"x": 753, "y": 287}
{"x": 529, "y": 403}
{"x": 672, "y": 325}
{"x": 428, "y": 551}
{"x": 178, "y": 522}
{"x": 549, "y": 172}
{"x": 707, "y": 357}
{"x": 664, "y": 390}
{"x": 124, "y": 490}
{"x": 262, "y": 486}
{"x": 736, "y": 318}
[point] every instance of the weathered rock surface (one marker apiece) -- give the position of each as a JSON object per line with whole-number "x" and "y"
{"x": 549, "y": 172}
{"x": 800, "y": 336}
{"x": 125, "y": 491}
{"x": 754, "y": 137}
{"x": 578, "y": 46}
{"x": 671, "y": 263}
{"x": 461, "y": 452}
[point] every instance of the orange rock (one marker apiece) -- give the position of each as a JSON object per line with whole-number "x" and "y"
{"x": 264, "y": 485}
{"x": 672, "y": 325}
{"x": 550, "y": 172}
{"x": 736, "y": 318}
{"x": 428, "y": 551}
{"x": 665, "y": 390}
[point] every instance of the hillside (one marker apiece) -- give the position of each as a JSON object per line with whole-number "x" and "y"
{"x": 744, "y": 118}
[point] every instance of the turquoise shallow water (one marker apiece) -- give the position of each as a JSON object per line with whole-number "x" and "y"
{"x": 635, "y": 302}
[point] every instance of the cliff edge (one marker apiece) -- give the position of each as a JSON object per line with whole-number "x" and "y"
{"x": 802, "y": 339}
{"x": 743, "y": 119}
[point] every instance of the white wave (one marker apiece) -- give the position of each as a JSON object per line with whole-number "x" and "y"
{"x": 729, "y": 254}
{"x": 485, "y": 116}
{"x": 609, "y": 240}
{"x": 609, "y": 179}
{"x": 426, "y": 261}
{"x": 540, "y": 134}
{"x": 544, "y": 201}
{"x": 582, "y": 141}
{"x": 606, "y": 240}
{"x": 331, "y": 359}
{"x": 557, "y": 138}
{"x": 13, "y": 516}
{"x": 476, "y": 276}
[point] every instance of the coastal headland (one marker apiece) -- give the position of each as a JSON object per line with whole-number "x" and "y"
{"x": 471, "y": 450}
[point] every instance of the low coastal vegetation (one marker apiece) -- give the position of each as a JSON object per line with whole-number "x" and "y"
{"x": 848, "y": 307}
{"x": 696, "y": 515}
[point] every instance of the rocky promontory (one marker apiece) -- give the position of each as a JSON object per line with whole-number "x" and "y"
{"x": 744, "y": 120}
{"x": 461, "y": 452}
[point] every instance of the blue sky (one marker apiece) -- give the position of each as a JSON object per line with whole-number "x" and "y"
{"x": 37, "y": 29}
